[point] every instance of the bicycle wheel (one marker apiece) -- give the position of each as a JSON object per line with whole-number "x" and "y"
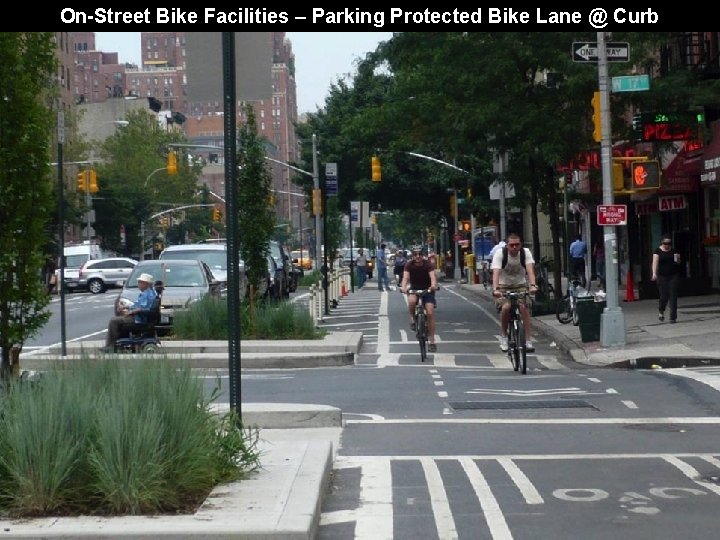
{"x": 514, "y": 337}
{"x": 421, "y": 325}
{"x": 564, "y": 310}
{"x": 521, "y": 352}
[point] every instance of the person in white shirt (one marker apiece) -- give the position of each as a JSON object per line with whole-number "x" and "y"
{"x": 361, "y": 267}
{"x": 513, "y": 276}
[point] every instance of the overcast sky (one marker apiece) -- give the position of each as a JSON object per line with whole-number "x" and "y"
{"x": 320, "y": 58}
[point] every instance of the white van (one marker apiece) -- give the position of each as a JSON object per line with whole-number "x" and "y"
{"x": 76, "y": 255}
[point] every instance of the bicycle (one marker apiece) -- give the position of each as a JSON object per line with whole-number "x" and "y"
{"x": 517, "y": 352}
{"x": 545, "y": 290}
{"x": 566, "y": 309}
{"x": 421, "y": 325}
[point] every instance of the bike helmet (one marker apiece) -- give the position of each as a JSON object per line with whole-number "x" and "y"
{"x": 417, "y": 249}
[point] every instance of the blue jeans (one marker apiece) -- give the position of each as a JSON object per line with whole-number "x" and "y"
{"x": 383, "y": 278}
{"x": 361, "y": 275}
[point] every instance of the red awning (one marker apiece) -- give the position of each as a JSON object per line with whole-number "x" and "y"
{"x": 683, "y": 173}
{"x": 710, "y": 169}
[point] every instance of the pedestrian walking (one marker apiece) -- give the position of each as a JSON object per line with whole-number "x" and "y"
{"x": 361, "y": 267}
{"x": 381, "y": 261}
{"x": 666, "y": 273}
{"x": 400, "y": 260}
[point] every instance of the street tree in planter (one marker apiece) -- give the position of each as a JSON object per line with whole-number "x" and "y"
{"x": 27, "y": 70}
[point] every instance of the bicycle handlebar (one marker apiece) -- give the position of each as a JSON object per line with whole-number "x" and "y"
{"x": 420, "y": 292}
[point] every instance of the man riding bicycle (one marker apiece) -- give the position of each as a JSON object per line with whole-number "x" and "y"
{"x": 512, "y": 271}
{"x": 419, "y": 274}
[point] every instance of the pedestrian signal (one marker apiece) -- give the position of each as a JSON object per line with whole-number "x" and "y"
{"x": 646, "y": 174}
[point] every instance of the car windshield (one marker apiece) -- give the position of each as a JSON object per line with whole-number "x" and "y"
{"x": 216, "y": 260}
{"x": 171, "y": 275}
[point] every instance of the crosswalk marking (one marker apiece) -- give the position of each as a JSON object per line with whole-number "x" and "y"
{"x": 444, "y": 522}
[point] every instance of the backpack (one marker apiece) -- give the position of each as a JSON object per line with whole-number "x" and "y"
{"x": 505, "y": 257}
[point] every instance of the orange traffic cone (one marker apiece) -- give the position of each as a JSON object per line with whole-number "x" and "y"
{"x": 343, "y": 289}
{"x": 629, "y": 288}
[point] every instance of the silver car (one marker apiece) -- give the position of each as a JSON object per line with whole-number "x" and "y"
{"x": 185, "y": 281}
{"x": 101, "y": 274}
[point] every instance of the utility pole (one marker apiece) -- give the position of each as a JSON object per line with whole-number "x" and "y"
{"x": 318, "y": 211}
{"x": 612, "y": 320}
{"x": 456, "y": 275}
{"x": 60, "y": 284}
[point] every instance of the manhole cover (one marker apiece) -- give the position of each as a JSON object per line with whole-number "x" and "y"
{"x": 530, "y": 404}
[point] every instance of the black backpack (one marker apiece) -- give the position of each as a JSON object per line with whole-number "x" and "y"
{"x": 505, "y": 257}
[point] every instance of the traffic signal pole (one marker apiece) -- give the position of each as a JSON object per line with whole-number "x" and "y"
{"x": 612, "y": 320}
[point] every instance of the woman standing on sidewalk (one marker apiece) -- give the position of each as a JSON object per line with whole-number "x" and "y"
{"x": 665, "y": 270}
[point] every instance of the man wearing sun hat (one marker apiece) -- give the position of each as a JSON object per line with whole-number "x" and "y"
{"x": 134, "y": 316}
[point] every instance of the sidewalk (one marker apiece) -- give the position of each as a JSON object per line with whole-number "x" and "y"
{"x": 693, "y": 339}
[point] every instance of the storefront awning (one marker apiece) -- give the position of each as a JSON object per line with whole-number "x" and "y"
{"x": 683, "y": 173}
{"x": 710, "y": 172}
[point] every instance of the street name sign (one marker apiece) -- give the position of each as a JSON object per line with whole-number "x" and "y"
{"x": 587, "y": 51}
{"x": 612, "y": 214}
{"x": 631, "y": 83}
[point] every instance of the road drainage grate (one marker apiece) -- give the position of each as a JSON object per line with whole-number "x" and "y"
{"x": 529, "y": 404}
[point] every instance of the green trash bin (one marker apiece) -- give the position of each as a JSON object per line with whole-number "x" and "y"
{"x": 589, "y": 312}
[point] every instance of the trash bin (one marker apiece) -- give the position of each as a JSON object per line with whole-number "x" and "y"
{"x": 589, "y": 312}
{"x": 472, "y": 276}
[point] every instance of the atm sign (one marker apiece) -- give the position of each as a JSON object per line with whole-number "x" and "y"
{"x": 612, "y": 214}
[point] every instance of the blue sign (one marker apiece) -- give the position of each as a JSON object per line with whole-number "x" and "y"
{"x": 331, "y": 186}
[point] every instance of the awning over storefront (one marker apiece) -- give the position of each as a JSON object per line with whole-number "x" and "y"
{"x": 710, "y": 173}
{"x": 683, "y": 173}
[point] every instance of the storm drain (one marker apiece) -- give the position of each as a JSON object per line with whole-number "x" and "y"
{"x": 529, "y": 404}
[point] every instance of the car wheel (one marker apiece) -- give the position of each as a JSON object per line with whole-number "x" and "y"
{"x": 151, "y": 348}
{"x": 96, "y": 286}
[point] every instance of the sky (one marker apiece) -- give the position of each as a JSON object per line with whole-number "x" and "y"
{"x": 320, "y": 58}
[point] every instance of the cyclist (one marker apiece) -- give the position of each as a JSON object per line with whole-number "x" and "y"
{"x": 510, "y": 275}
{"x": 419, "y": 273}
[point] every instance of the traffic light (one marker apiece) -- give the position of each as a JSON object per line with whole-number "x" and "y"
{"x": 452, "y": 205}
{"x": 171, "y": 162}
{"x": 465, "y": 225}
{"x": 93, "y": 181}
{"x": 82, "y": 184}
{"x": 618, "y": 176}
{"x": 317, "y": 202}
{"x": 216, "y": 214}
{"x": 597, "y": 117}
{"x": 376, "y": 169}
{"x": 646, "y": 174}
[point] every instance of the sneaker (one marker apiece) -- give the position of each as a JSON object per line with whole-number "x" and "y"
{"x": 504, "y": 344}
{"x": 672, "y": 321}
{"x": 529, "y": 346}
{"x": 432, "y": 347}
{"x": 661, "y": 316}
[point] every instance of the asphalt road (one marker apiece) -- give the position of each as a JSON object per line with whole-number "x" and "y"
{"x": 464, "y": 447}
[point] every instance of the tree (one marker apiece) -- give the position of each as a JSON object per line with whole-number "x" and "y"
{"x": 256, "y": 219}
{"x": 27, "y": 68}
{"x": 128, "y": 194}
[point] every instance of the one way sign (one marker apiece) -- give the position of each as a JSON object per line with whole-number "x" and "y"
{"x": 587, "y": 51}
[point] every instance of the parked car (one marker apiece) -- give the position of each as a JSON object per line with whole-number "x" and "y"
{"x": 185, "y": 281}
{"x": 101, "y": 274}
{"x": 214, "y": 255}
{"x": 286, "y": 281}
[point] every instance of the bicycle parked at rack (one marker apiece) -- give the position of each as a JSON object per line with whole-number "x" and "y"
{"x": 517, "y": 352}
{"x": 421, "y": 324}
{"x": 566, "y": 309}
{"x": 545, "y": 290}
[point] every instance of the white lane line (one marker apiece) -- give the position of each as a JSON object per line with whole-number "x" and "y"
{"x": 710, "y": 379}
{"x": 593, "y": 379}
{"x": 550, "y": 362}
{"x": 695, "y": 420}
{"x": 629, "y": 404}
{"x": 611, "y": 391}
{"x": 438, "y": 383}
{"x": 499, "y": 360}
{"x": 442, "y": 394}
{"x": 494, "y": 517}
{"x": 444, "y": 360}
{"x": 375, "y": 513}
{"x": 528, "y": 491}
{"x": 444, "y": 522}
{"x": 383, "y": 337}
{"x": 692, "y": 473}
